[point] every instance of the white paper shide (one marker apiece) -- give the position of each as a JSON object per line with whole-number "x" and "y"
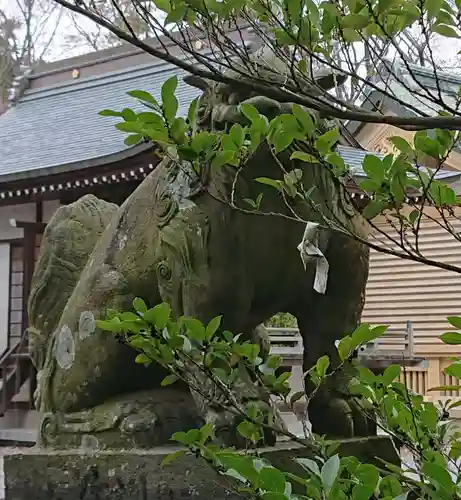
{"x": 309, "y": 250}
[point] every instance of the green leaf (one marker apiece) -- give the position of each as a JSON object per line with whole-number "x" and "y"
{"x": 335, "y": 160}
{"x": 456, "y": 404}
{"x": 187, "y": 438}
{"x": 373, "y": 209}
{"x": 325, "y": 142}
{"x": 143, "y": 359}
{"x": 240, "y": 463}
{"x": 192, "y": 113}
{"x": 296, "y": 397}
{"x": 112, "y": 325}
{"x": 151, "y": 119}
{"x": 322, "y": 366}
{"x": 329, "y": 472}
{"x": 454, "y": 370}
{"x": 129, "y": 115}
{"x": 273, "y": 496}
{"x": 110, "y": 112}
{"x": 455, "y": 321}
{"x": 390, "y": 374}
{"x": 133, "y": 139}
{"x": 135, "y": 127}
{"x": 345, "y": 348}
{"x": 212, "y": 327}
{"x": 195, "y": 328}
{"x": 158, "y": 315}
{"x": 445, "y": 388}
{"x": 309, "y": 465}
{"x": 250, "y": 112}
{"x": 169, "y": 102}
{"x": 369, "y": 186}
{"x": 444, "y": 30}
{"x": 270, "y": 182}
{"x": 249, "y": 431}
{"x": 452, "y": 338}
{"x": 355, "y": 21}
{"x": 305, "y": 119}
{"x": 374, "y": 168}
{"x": 401, "y": 144}
{"x": 237, "y": 134}
{"x": 364, "y": 334}
{"x": 305, "y": 157}
{"x": 390, "y": 487}
{"x": 272, "y": 480}
{"x": 142, "y": 95}
{"x": 413, "y": 216}
{"x": 139, "y": 305}
{"x": 402, "y": 496}
{"x": 169, "y": 379}
{"x": 439, "y": 474}
{"x": 282, "y": 139}
{"x": 223, "y": 158}
{"x": 171, "y": 457}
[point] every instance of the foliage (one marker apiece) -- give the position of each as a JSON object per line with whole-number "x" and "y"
{"x": 307, "y": 140}
{"x": 321, "y": 59}
{"x": 304, "y": 36}
{"x": 282, "y": 320}
{"x": 178, "y": 344}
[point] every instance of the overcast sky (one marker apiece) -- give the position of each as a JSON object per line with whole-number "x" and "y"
{"x": 445, "y": 51}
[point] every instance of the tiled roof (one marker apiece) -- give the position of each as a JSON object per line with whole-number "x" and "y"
{"x": 58, "y": 126}
{"x": 413, "y": 88}
{"x": 354, "y": 159}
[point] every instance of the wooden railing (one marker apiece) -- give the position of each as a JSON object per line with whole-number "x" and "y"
{"x": 15, "y": 369}
{"x": 392, "y": 347}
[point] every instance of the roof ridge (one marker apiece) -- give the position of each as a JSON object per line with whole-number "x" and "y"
{"x": 428, "y": 72}
{"x": 94, "y": 80}
{"x": 139, "y": 70}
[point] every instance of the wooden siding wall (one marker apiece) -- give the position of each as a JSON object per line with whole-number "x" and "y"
{"x": 399, "y": 290}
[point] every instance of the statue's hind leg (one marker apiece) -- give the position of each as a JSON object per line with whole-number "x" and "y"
{"x": 332, "y": 411}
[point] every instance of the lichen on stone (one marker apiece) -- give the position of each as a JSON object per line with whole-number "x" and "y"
{"x": 65, "y": 348}
{"x": 86, "y": 324}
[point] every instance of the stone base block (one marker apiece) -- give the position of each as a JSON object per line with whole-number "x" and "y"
{"x": 35, "y": 474}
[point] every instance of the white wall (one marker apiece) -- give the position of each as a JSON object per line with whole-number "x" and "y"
{"x": 24, "y": 213}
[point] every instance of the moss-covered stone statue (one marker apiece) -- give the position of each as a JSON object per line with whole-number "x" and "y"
{"x": 176, "y": 239}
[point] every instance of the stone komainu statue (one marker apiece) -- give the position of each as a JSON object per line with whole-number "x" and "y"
{"x": 175, "y": 240}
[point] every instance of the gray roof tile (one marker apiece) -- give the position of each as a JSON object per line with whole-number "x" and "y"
{"x": 60, "y": 125}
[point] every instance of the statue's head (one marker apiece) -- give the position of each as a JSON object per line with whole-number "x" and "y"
{"x": 265, "y": 64}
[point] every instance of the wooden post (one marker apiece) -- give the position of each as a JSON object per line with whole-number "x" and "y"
{"x": 410, "y": 339}
{"x": 433, "y": 377}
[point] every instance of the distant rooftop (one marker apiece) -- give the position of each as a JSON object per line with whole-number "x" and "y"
{"x": 413, "y": 84}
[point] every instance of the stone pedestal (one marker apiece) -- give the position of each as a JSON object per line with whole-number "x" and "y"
{"x": 36, "y": 474}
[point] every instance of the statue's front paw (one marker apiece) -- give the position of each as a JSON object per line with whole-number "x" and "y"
{"x": 339, "y": 417}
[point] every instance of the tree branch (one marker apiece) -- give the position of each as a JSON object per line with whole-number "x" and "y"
{"x": 441, "y": 122}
